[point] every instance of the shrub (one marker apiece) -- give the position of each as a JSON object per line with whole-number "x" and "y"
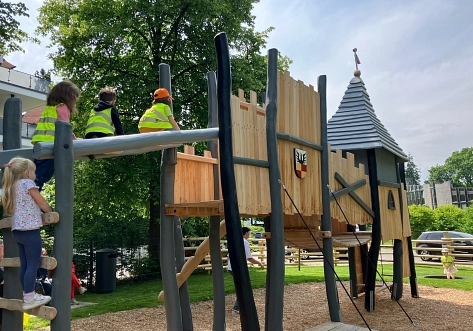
{"x": 421, "y": 218}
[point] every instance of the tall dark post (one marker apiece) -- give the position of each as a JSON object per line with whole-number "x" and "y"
{"x": 248, "y": 314}
{"x": 398, "y": 264}
{"x": 63, "y": 230}
{"x": 170, "y": 261}
{"x": 12, "y": 320}
{"x": 412, "y": 264}
{"x": 275, "y": 273}
{"x": 214, "y": 225}
{"x": 330, "y": 284}
{"x": 375, "y": 233}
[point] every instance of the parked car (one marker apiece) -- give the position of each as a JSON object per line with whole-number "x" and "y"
{"x": 438, "y": 235}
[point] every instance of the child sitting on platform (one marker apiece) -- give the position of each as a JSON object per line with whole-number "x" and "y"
{"x": 159, "y": 117}
{"x": 21, "y": 200}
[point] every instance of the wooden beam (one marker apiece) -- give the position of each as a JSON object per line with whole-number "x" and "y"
{"x": 48, "y": 218}
{"x": 45, "y": 312}
{"x": 46, "y": 262}
{"x": 355, "y": 196}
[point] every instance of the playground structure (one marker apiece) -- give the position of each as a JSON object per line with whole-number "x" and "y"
{"x": 241, "y": 176}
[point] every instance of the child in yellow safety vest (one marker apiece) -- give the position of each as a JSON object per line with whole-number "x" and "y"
{"x": 159, "y": 117}
{"x": 448, "y": 265}
{"x": 60, "y": 104}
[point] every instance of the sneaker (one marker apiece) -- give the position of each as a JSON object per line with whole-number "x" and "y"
{"x": 38, "y": 300}
{"x": 235, "y": 311}
{"x": 74, "y": 302}
{"x": 82, "y": 290}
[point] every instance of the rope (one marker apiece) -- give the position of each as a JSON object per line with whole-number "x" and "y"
{"x": 323, "y": 254}
{"x": 371, "y": 261}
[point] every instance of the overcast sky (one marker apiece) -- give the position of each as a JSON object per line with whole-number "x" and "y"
{"x": 416, "y": 62}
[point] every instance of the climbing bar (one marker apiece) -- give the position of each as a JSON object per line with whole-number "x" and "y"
{"x": 45, "y": 312}
{"x": 136, "y": 143}
{"x": 48, "y": 218}
{"x": 46, "y": 262}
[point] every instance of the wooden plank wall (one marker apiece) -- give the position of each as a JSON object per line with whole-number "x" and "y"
{"x": 249, "y": 141}
{"x": 194, "y": 177}
{"x": 406, "y": 227}
{"x": 299, "y": 116}
{"x": 351, "y": 174}
{"x": 406, "y": 268}
{"x": 391, "y": 224}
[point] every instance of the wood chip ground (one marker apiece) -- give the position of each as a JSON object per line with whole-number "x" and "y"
{"x": 305, "y": 306}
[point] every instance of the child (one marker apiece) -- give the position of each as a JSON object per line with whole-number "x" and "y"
{"x": 75, "y": 284}
{"x": 104, "y": 119}
{"x": 60, "y": 104}
{"x": 22, "y": 200}
{"x": 448, "y": 265}
{"x": 159, "y": 116}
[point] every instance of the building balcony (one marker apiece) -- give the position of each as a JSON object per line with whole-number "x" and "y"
{"x": 24, "y": 80}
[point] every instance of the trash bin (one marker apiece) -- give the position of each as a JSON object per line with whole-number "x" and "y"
{"x": 105, "y": 270}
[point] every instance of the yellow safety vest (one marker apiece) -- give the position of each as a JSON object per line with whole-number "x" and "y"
{"x": 100, "y": 121}
{"x": 155, "y": 118}
{"x": 46, "y": 126}
{"x": 449, "y": 259}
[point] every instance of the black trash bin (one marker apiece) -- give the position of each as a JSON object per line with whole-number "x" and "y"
{"x": 105, "y": 270}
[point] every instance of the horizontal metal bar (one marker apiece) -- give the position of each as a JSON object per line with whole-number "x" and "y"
{"x": 296, "y": 140}
{"x": 388, "y": 184}
{"x": 251, "y": 162}
{"x": 7, "y": 155}
{"x": 153, "y": 140}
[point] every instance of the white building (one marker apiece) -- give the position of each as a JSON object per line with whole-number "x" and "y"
{"x": 30, "y": 89}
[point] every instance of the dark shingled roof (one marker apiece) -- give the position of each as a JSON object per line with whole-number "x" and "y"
{"x": 355, "y": 126}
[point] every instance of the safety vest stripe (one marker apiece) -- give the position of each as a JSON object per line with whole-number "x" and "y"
{"x": 45, "y": 132}
{"x": 104, "y": 115}
{"x": 100, "y": 125}
{"x": 152, "y": 120}
{"x": 47, "y": 120}
{"x": 160, "y": 115}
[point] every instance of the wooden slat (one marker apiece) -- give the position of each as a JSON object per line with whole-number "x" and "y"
{"x": 337, "y": 326}
{"x": 45, "y": 312}
{"x": 46, "y": 262}
{"x": 48, "y": 218}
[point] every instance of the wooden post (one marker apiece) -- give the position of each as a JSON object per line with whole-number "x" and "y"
{"x": 330, "y": 284}
{"x": 248, "y": 314}
{"x": 275, "y": 273}
{"x": 12, "y": 320}
{"x": 214, "y": 222}
{"x": 398, "y": 262}
{"x": 63, "y": 231}
{"x": 375, "y": 233}
{"x": 169, "y": 259}
{"x": 412, "y": 264}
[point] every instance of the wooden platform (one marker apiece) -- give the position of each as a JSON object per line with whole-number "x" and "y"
{"x": 337, "y": 326}
{"x": 305, "y": 240}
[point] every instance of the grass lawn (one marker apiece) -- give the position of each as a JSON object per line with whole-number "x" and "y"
{"x": 145, "y": 295}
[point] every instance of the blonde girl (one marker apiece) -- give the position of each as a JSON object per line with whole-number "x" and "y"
{"x": 159, "y": 117}
{"x": 449, "y": 268}
{"x": 60, "y": 104}
{"x": 22, "y": 201}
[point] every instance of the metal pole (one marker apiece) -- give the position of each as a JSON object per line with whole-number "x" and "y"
{"x": 168, "y": 226}
{"x": 214, "y": 225}
{"x": 275, "y": 273}
{"x": 63, "y": 230}
{"x": 248, "y": 314}
{"x": 330, "y": 284}
{"x": 12, "y": 320}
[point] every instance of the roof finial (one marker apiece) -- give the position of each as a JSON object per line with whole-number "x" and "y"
{"x": 357, "y": 62}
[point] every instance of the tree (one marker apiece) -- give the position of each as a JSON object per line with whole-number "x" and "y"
{"x": 421, "y": 218}
{"x": 121, "y": 44}
{"x": 412, "y": 171}
{"x": 10, "y": 33}
{"x": 458, "y": 168}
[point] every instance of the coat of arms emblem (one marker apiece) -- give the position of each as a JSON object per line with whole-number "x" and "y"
{"x": 300, "y": 162}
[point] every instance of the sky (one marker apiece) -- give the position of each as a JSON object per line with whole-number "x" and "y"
{"x": 416, "y": 61}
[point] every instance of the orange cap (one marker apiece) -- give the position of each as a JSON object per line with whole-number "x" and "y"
{"x": 162, "y": 93}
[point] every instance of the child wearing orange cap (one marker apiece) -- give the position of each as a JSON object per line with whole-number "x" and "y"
{"x": 159, "y": 117}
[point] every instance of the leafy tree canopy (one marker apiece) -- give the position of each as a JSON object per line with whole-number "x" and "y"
{"x": 412, "y": 171}
{"x": 10, "y": 33}
{"x": 458, "y": 169}
{"x": 121, "y": 44}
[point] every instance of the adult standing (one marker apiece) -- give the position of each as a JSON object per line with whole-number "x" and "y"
{"x": 246, "y": 234}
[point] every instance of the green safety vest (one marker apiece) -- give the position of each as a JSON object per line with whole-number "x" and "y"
{"x": 155, "y": 118}
{"x": 46, "y": 126}
{"x": 449, "y": 259}
{"x": 100, "y": 121}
